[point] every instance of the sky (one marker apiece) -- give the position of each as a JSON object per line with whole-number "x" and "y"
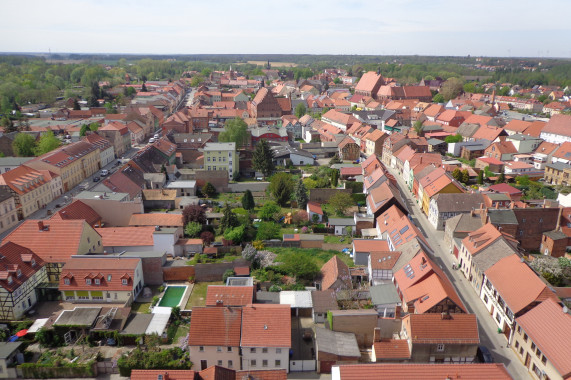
{"x": 376, "y": 27}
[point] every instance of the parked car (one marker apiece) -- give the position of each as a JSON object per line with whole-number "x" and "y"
{"x": 96, "y": 179}
{"x": 151, "y": 140}
{"x": 484, "y": 355}
{"x": 104, "y": 173}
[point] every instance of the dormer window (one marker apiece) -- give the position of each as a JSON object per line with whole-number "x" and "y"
{"x": 19, "y": 272}
{"x": 66, "y": 281}
{"x": 33, "y": 262}
{"x": 97, "y": 281}
{"x": 87, "y": 281}
{"x": 108, "y": 277}
{"x": 9, "y": 279}
{"x": 124, "y": 281}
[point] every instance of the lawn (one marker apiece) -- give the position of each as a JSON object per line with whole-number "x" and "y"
{"x": 198, "y": 295}
{"x": 140, "y": 307}
{"x": 320, "y": 256}
{"x": 334, "y": 239}
{"x": 181, "y": 331}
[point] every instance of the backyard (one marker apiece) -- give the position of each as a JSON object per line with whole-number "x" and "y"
{"x": 198, "y": 295}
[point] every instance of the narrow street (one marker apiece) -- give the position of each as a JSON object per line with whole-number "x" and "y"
{"x": 489, "y": 337}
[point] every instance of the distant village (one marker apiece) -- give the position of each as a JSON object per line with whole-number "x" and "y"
{"x": 256, "y": 227}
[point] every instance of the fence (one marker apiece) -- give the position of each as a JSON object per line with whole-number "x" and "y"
{"x": 302, "y": 365}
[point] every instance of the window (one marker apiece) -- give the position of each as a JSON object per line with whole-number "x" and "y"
{"x": 544, "y": 360}
{"x": 536, "y": 370}
{"x": 538, "y": 353}
{"x": 66, "y": 281}
{"x": 278, "y": 363}
{"x": 278, "y": 350}
{"x": 516, "y": 344}
{"x": 218, "y": 349}
{"x": 230, "y": 364}
{"x": 201, "y": 349}
{"x": 488, "y": 284}
{"x": 264, "y": 350}
{"x": 524, "y": 337}
{"x": 108, "y": 277}
{"x": 521, "y": 351}
{"x": 485, "y": 298}
{"x": 498, "y": 317}
{"x": 33, "y": 262}
{"x": 252, "y": 350}
{"x": 229, "y": 349}
{"x": 533, "y": 346}
{"x": 124, "y": 281}
{"x": 264, "y": 363}
{"x": 88, "y": 281}
{"x": 19, "y": 272}
{"x": 97, "y": 281}
{"x": 253, "y": 362}
{"x": 439, "y": 347}
{"x": 220, "y": 362}
{"x": 519, "y": 329}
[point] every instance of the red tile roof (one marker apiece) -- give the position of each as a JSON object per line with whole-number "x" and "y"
{"x": 413, "y": 371}
{"x": 393, "y": 349}
{"x": 14, "y": 258}
{"x": 261, "y": 374}
{"x": 55, "y": 243}
{"x": 518, "y": 126}
{"x": 549, "y": 327}
{"x": 266, "y": 325}
{"x": 481, "y": 238}
{"x": 168, "y": 374}
{"x": 215, "y": 326}
{"x": 369, "y": 81}
{"x": 384, "y": 260}
{"x": 78, "y": 210}
{"x": 535, "y": 128}
{"x": 156, "y": 219}
{"x": 78, "y": 270}
{"x": 351, "y": 171}
{"x": 437, "y": 328}
{"x": 126, "y": 236}
{"x": 517, "y": 284}
{"x": 558, "y": 125}
{"x": 504, "y": 188}
{"x": 23, "y": 179}
{"x": 369, "y": 245}
{"x": 220, "y": 295}
{"x": 333, "y": 270}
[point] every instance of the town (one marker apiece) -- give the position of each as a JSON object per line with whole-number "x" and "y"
{"x": 286, "y": 221}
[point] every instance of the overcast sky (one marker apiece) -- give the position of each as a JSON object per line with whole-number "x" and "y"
{"x": 427, "y": 27}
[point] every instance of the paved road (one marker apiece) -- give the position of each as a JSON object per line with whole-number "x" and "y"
{"x": 489, "y": 337}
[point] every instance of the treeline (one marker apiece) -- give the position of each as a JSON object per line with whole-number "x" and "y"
{"x": 559, "y": 75}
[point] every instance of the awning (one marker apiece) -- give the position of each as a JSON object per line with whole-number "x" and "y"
{"x": 38, "y": 324}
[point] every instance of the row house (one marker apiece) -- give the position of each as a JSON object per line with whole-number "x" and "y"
{"x": 421, "y": 93}
{"x": 8, "y": 210}
{"x": 436, "y": 182}
{"x": 374, "y": 142}
{"x": 431, "y": 371}
{"x": 381, "y": 198}
{"x": 557, "y": 130}
{"x": 444, "y": 206}
{"x": 415, "y": 163}
{"x": 119, "y": 135}
{"x": 391, "y": 144}
{"x": 340, "y": 120}
{"x": 106, "y": 149}
{"x": 349, "y": 149}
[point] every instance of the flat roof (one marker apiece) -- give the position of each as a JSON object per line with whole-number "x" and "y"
{"x": 106, "y": 195}
{"x": 179, "y": 184}
{"x": 296, "y": 298}
{"x": 137, "y": 324}
{"x": 80, "y": 316}
{"x": 8, "y": 348}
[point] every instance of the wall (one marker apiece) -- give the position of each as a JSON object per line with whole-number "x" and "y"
{"x": 271, "y": 356}
{"x": 178, "y": 273}
{"x": 423, "y": 353}
{"x": 115, "y": 213}
{"x": 215, "y": 271}
{"x": 212, "y": 356}
{"x": 323, "y": 195}
{"x": 362, "y": 326}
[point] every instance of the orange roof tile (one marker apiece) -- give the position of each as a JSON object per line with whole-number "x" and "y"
{"x": 436, "y": 328}
{"x": 391, "y": 349}
{"x": 221, "y": 295}
{"x": 110, "y": 271}
{"x": 156, "y": 219}
{"x": 14, "y": 258}
{"x": 78, "y": 210}
{"x": 168, "y": 374}
{"x": 126, "y": 236}
{"x": 261, "y": 374}
{"x": 266, "y": 325}
{"x": 384, "y": 260}
{"x": 215, "y": 326}
{"x": 315, "y": 207}
{"x": 559, "y": 125}
{"x": 369, "y": 81}
{"x": 518, "y": 126}
{"x": 334, "y": 270}
{"x": 369, "y": 245}
{"x": 481, "y": 238}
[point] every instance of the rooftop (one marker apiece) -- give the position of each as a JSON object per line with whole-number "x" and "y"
{"x": 337, "y": 343}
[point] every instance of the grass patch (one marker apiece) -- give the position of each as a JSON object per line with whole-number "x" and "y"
{"x": 333, "y": 239}
{"x": 320, "y": 256}
{"x": 141, "y": 307}
{"x": 197, "y": 259}
{"x": 198, "y": 295}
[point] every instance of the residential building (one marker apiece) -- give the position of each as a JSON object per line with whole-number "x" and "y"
{"x": 55, "y": 181}
{"x": 266, "y": 336}
{"x": 502, "y": 150}
{"x": 78, "y": 210}
{"x": 541, "y": 341}
{"x": 221, "y": 156}
{"x": 118, "y": 134}
{"x": 444, "y": 206}
{"x": 380, "y": 266}
{"x": 349, "y": 149}
{"x": 265, "y": 105}
{"x": 361, "y": 322}
{"x": 8, "y": 210}
{"x": 335, "y": 275}
{"x": 458, "y": 227}
{"x": 362, "y": 248}
{"x": 374, "y": 142}
{"x": 334, "y": 348}
{"x": 314, "y": 208}
{"x": 554, "y": 243}
{"x": 381, "y": 198}
{"x": 21, "y": 271}
{"x": 341, "y": 225}
{"x": 557, "y": 174}
{"x": 214, "y": 337}
{"x": 386, "y": 300}
{"x": 511, "y": 289}
{"x": 323, "y": 301}
{"x": 9, "y": 163}
{"x": 112, "y": 279}
{"x": 437, "y": 182}
{"x": 557, "y": 130}
{"x": 369, "y": 84}
{"x": 229, "y": 296}
{"x": 9, "y": 354}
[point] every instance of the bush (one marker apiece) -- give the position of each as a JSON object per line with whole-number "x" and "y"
{"x": 268, "y": 231}
{"x": 161, "y": 288}
{"x": 258, "y": 244}
{"x": 155, "y": 300}
{"x": 269, "y": 211}
{"x": 228, "y": 273}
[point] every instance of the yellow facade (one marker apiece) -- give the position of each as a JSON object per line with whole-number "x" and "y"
{"x": 221, "y": 156}
{"x": 448, "y": 189}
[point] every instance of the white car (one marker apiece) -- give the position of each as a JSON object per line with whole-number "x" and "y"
{"x": 151, "y": 140}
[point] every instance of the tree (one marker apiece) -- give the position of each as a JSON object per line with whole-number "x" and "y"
{"x": 92, "y": 102}
{"x": 268, "y": 231}
{"x": 470, "y": 87}
{"x": 83, "y": 130}
{"x": 340, "y": 202}
{"x": 129, "y": 91}
{"x": 269, "y": 211}
{"x": 457, "y": 174}
{"x": 144, "y": 88}
{"x": 76, "y": 106}
{"x": 235, "y": 130}
{"x": 207, "y": 237}
{"x": 248, "y": 200}
{"x": 300, "y": 217}
{"x": 335, "y": 160}
{"x": 193, "y": 213}
{"x": 228, "y": 273}
{"x": 281, "y": 188}
{"x": 438, "y": 98}
{"x": 263, "y": 158}
{"x": 7, "y": 124}
{"x": 453, "y": 139}
{"x": 47, "y": 143}
{"x": 229, "y": 219}
{"x": 301, "y": 194}
{"x": 249, "y": 253}
{"x": 209, "y": 190}
{"x": 465, "y": 176}
{"x": 193, "y": 229}
{"x": 236, "y": 234}
{"x": 300, "y": 110}
{"x": 300, "y": 265}
{"x": 481, "y": 177}
{"x": 501, "y": 178}
{"x": 418, "y": 128}
{"x": 452, "y": 88}
{"x": 24, "y": 145}
{"x": 334, "y": 177}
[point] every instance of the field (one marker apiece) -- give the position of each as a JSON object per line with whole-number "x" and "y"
{"x": 274, "y": 64}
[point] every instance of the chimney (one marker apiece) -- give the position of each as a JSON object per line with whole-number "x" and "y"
{"x": 472, "y": 212}
{"x": 558, "y": 225}
{"x": 40, "y": 225}
{"x": 219, "y": 303}
{"x": 377, "y": 334}
{"x": 497, "y": 205}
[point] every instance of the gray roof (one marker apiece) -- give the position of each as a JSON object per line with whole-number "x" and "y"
{"x": 80, "y": 316}
{"x": 434, "y": 142}
{"x": 408, "y": 250}
{"x": 464, "y": 223}
{"x": 137, "y": 324}
{"x": 324, "y": 300}
{"x": 461, "y": 202}
{"x": 267, "y": 297}
{"x": 368, "y": 116}
{"x": 558, "y": 166}
{"x": 14, "y": 161}
{"x": 520, "y": 137}
{"x": 502, "y": 216}
{"x": 296, "y": 298}
{"x": 220, "y": 146}
{"x": 240, "y": 281}
{"x": 107, "y": 195}
{"x": 341, "y": 222}
{"x": 287, "y": 150}
{"x": 498, "y": 196}
{"x": 183, "y": 184}
{"x": 555, "y": 235}
{"x": 5, "y": 194}
{"x": 140, "y": 254}
{"x": 336, "y": 343}
{"x": 467, "y": 129}
{"x": 384, "y": 294}
{"x": 490, "y": 255}
{"x": 8, "y": 348}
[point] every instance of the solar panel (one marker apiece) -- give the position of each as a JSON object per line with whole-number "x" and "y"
{"x": 288, "y": 236}
{"x": 403, "y": 230}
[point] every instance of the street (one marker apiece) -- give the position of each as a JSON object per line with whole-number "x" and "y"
{"x": 489, "y": 337}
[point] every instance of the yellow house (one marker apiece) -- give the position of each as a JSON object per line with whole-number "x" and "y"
{"x": 221, "y": 156}
{"x": 439, "y": 185}
{"x": 73, "y": 163}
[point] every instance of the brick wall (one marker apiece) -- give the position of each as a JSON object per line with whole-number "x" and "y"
{"x": 215, "y": 271}
{"x": 178, "y": 273}
{"x": 153, "y": 270}
{"x": 533, "y": 222}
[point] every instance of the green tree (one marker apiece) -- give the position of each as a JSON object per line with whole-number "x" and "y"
{"x": 470, "y": 87}
{"x": 504, "y": 91}
{"x": 268, "y": 231}
{"x": 301, "y": 195}
{"x": 453, "y": 139}
{"x": 418, "y": 127}
{"x": 481, "y": 177}
{"x": 457, "y": 174}
{"x": 229, "y": 219}
{"x": 92, "y": 102}
{"x": 248, "y": 200}
{"x": 209, "y": 190}
{"x": 76, "y": 105}
{"x": 300, "y": 265}
{"x": 193, "y": 229}
{"x": 281, "y": 188}
{"x": 83, "y": 130}
{"x": 236, "y": 234}
{"x": 228, "y": 273}
{"x": 340, "y": 202}
{"x": 465, "y": 176}
{"x": 300, "y": 110}
{"x": 438, "y": 98}
{"x": 129, "y": 91}
{"x": 235, "y": 130}
{"x": 501, "y": 178}
{"x": 269, "y": 211}
{"x": 452, "y": 88}
{"x": 335, "y": 160}
{"x": 24, "y": 145}
{"x": 8, "y": 125}
{"x": 144, "y": 88}
{"x": 263, "y": 158}
{"x": 47, "y": 143}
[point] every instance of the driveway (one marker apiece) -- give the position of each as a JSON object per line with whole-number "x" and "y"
{"x": 487, "y": 327}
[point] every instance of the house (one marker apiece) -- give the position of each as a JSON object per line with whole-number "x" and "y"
{"x": 56, "y": 241}
{"x": 511, "y": 289}
{"x": 389, "y": 350}
{"x": 430, "y": 371}
{"x": 9, "y": 215}
{"x": 374, "y": 180}
{"x": 437, "y": 182}
{"x": 554, "y": 243}
{"x": 360, "y": 322}
{"x": 314, "y": 208}
{"x": 416, "y": 162}
{"x": 502, "y": 150}
{"x": 398, "y": 229}
{"x": 265, "y": 105}
{"x": 369, "y": 84}
{"x": 21, "y": 271}
{"x": 229, "y": 296}
{"x": 439, "y": 338}
{"x": 221, "y": 156}
{"x": 118, "y": 134}
{"x": 523, "y": 143}
{"x": 323, "y": 301}
{"x": 341, "y": 225}
{"x": 334, "y": 348}
{"x": 266, "y": 336}
{"x": 97, "y": 280}
{"x": 9, "y": 354}
{"x": 503, "y": 188}
{"x": 9, "y": 163}
{"x": 214, "y": 337}
{"x": 78, "y": 210}
{"x": 444, "y": 206}
{"x": 557, "y": 174}
{"x": 380, "y": 266}
{"x": 494, "y": 165}
{"x": 163, "y": 220}
{"x": 557, "y": 130}
{"x": 362, "y": 248}
{"x": 349, "y": 149}
{"x": 269, "y": 133}
{"x": 541, "y": 340}
{"x": 458, "y": 228}
{"x": 518, "y": 168}
{"x": 335, "y": 275}
{"x": 481, "y": 249}
{"x": 374, "y": 142}
{"x": 386, "y": 300}
{"x": 343, "y": 121}
{"x": 285, "y": 155}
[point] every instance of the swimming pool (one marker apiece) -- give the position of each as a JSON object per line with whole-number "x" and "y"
{"x": 173, "y": 296}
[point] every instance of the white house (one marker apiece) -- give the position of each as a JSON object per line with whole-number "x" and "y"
{"x": 340, "y": 225}
{"x": 314, "y": 208}
{"x": 557, "y": 130}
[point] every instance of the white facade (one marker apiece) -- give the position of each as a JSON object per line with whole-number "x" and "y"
{"x": 555, "y": 139}
{"x": 165, "y": 240}
{"x": 501, "y": 313}
{"x": 107, "y": 156}
{"x": 56, "y": 185}
{"x": 16, "y": 303}
{"x": 265, "y": 358}
{"x": 207, "y": 356}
